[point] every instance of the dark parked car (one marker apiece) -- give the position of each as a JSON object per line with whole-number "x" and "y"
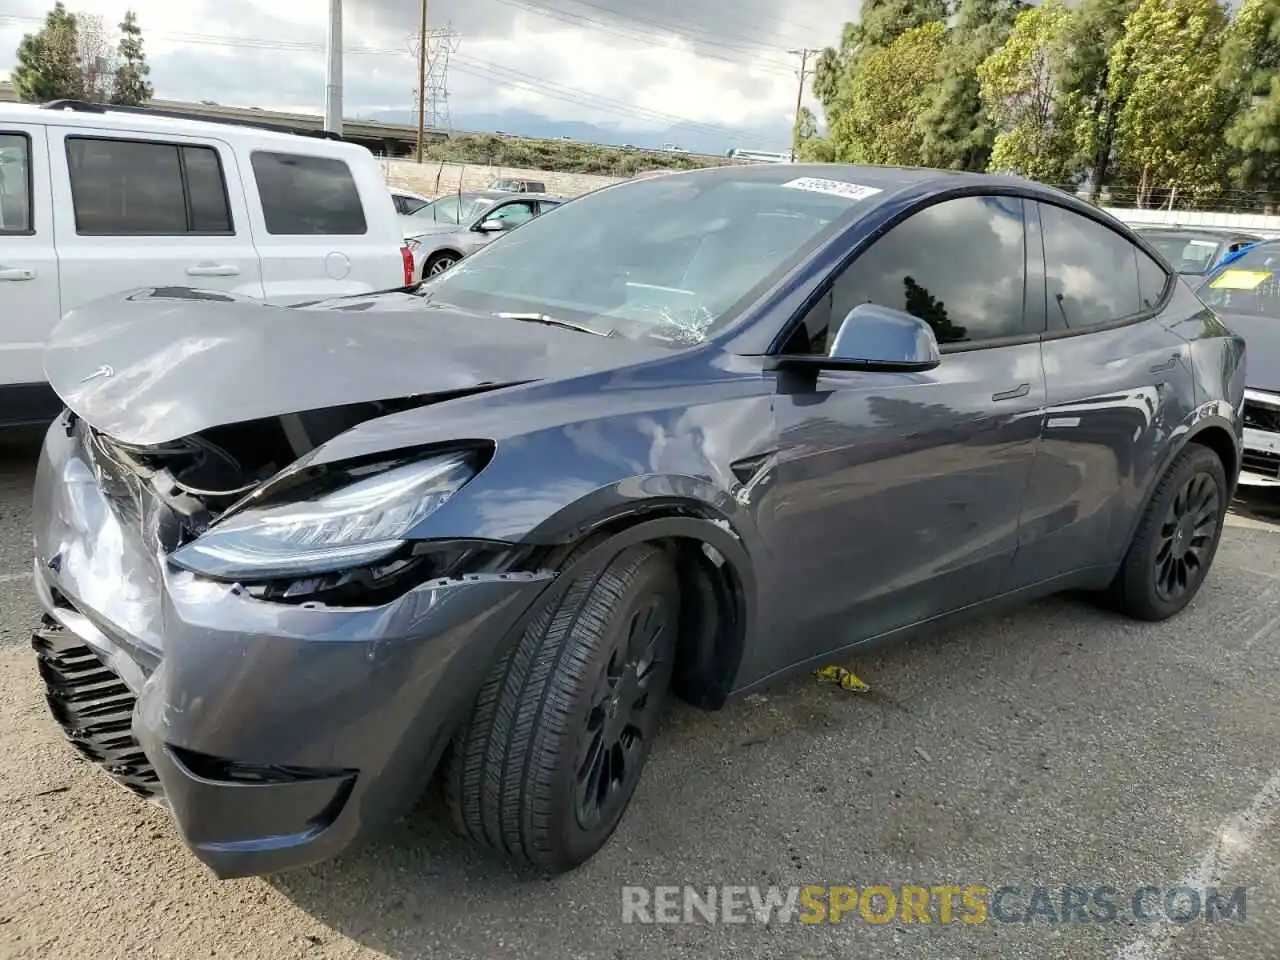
{"x": 1194, "y": 252}
{"x": 1246, "y": 294}
{"x": 695, "y": 432}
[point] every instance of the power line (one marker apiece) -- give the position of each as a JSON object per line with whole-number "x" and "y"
{"x": 674, "y": 29}
{"x": 486, "y": 70}
{"x": 578, "y": 20}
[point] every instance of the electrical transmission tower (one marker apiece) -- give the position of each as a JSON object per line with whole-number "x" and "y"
{"x": 441, "y": 42}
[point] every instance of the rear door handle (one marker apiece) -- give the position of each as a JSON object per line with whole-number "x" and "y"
{"x": 213, "y": 270}
{"x": 1021, "y": 390}
{"x": 1165, "y": 365}
{"x": 16, "y": 273}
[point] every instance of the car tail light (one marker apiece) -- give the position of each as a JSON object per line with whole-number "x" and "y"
{"x": 406, "y": 256}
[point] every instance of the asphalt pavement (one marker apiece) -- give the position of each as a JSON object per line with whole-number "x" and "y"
{"x": 1057, "y": 747}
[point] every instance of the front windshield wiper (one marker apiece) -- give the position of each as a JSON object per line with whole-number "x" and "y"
{"x": 553, "y": 322}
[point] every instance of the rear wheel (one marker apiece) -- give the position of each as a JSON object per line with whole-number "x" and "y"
{"x": 560, "y": 731}
{"x": 438, "y": 264}
{"x": 1176, "y": 539}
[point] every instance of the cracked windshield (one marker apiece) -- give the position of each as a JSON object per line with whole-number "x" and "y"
{"x": 667, "y": 259}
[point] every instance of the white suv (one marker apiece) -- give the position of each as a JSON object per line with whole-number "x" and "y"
{"x": 96, "y": 201}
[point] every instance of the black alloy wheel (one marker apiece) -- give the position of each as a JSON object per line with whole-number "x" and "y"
{"x": 1189, "y": 530}
{"x": 1176, "y": 538}
{"x": 623, "y": 713}
{"x": 550, "y": 757}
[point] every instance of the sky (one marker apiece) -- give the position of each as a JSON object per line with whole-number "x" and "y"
{"x": 719, "y": 63}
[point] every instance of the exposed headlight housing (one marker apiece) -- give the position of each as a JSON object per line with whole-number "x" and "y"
{"x": 356, "y": 524}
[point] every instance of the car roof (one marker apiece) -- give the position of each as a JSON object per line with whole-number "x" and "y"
{"x": 104, "y": 118}
{"x": 1217, "y": 233}
{"x": 888, "y": 180}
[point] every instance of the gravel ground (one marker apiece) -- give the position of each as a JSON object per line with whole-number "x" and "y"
{"x": 1056, "y": 746}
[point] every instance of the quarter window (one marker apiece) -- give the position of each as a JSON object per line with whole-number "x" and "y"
{"x": 15, "y": 183}
{"x": 1094, "y": 275}
{"x": 959, "y": 265}
{"x": 140, "y": 188}
{"x": 308, "y": 196}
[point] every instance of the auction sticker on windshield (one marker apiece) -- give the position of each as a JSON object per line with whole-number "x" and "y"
{"x": 1240, "y": 279}
{"x": 851, "y": 191}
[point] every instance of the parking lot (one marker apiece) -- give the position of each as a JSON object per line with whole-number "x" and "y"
{"x": 1056, "y": 746}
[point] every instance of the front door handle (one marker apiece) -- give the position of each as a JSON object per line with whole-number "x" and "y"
{"x": 1021, "y": 390}
{"x": 1165, "y": 365}
{"x": 213, "y": 270}
{"x": 16, "y": 273}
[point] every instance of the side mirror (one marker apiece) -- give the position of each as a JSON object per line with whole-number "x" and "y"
{"x": 492, "y": 226}
{"x": 876, "y": 339}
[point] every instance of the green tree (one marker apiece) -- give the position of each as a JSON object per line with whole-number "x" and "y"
{"x": 958, "y": 135}
{"x": 880, "y": 23}
{"x": 1019, "y": 90}
{"x": 1249, "y": 76}
{"x": 48, "y": 67}
{"x": 885, "y": 97}
{"x": 1164, "y": 72}
{"x": 1087, "y": 97}
{"x": 130, "y": 85}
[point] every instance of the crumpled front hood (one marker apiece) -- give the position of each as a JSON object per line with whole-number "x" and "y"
{"x": 162, "y": 363}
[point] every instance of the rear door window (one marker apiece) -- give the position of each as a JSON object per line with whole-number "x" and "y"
{"x": 1091, "y": 271}
{"x": 307, "y": 196}
{"x": 15, "y": 183}
{"x": 144, "y": 188}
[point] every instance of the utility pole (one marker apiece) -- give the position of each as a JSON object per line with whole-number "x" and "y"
{"x": 804, "y": 53}
{"x": 422, "y": 77}
{"x": 333, "y": 77}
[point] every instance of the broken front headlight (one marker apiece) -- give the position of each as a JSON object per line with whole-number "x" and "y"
{"x": 356, "y": 524}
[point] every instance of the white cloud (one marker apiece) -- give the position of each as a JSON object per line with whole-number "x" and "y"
{"x": 584, "y": 61}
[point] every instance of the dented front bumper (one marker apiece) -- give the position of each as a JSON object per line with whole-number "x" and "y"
{"x": 275, "y": 733}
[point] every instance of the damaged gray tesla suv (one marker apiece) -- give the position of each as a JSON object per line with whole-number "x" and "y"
{"x": 684, "y": 435}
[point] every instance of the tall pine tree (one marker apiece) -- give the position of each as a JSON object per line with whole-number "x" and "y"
{"x": 958, "y": 135}
{"x": 1091, "y": 100}
{"x": 130, "y": 86}
{"x": 1250, "y": 79}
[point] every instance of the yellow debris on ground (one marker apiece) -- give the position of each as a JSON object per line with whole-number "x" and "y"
{"x": 847, "y": 679}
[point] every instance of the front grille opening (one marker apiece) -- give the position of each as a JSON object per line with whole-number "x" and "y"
{"x": 1258, "y": 461}
{"x": 1259, "y": 417}
{"x": 93, "y": 706}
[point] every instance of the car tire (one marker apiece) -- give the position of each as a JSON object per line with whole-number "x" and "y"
{"x": 1176, "y": 539}
{"x": 548, "y": 760}
{"x": 438, "y": 263}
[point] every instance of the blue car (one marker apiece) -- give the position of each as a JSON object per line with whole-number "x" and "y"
{"x": 1195, "y": 252}
{"x": 682, "y": 436}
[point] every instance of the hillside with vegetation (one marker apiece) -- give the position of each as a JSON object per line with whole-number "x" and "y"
{"x": 561, "y": 156}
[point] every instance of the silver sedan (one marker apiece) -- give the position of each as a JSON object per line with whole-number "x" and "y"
{"x": 457, "y": 224}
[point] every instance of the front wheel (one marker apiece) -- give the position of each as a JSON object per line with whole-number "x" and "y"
{"x": 559, "y": 733}
{"x": 1176, "y": 539}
